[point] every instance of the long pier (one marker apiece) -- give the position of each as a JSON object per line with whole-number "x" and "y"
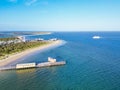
{"x": 33, "y": 65}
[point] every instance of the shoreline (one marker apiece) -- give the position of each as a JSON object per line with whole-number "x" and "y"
{"x": 16, "y": 56}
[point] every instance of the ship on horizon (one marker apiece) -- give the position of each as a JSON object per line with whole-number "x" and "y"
{"x": 96, "y": 37}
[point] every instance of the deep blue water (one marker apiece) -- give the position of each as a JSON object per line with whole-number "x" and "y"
{"x": 91, "y": 64}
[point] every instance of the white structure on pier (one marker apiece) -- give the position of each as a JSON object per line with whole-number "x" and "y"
{"x": 25, "y": 65}
{"x": 51, "y": 60}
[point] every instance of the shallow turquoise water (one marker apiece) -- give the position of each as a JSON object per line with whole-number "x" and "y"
{"x": 91, "y": 65}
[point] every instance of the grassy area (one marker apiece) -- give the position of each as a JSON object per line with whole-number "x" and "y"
{"x": 8, "y": 39}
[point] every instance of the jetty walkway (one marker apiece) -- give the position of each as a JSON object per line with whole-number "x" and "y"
{"x": 51, "y": 62}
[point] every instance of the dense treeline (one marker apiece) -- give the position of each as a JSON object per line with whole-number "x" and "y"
{"x": 17, "y": 47}
{"x": 8, "y": 39}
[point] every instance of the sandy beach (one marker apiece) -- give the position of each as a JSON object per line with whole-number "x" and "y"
{"x": 14, "y": 57}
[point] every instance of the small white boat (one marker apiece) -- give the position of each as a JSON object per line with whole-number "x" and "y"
{"x": 96, "y": 37}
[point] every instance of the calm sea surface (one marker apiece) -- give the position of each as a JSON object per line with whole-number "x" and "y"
{"x": 91, "y": 64}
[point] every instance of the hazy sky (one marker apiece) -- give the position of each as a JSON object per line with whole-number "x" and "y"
{"x": 74, "y": 15}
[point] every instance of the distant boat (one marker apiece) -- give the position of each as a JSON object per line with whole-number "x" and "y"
{"x": 96, "y": 37}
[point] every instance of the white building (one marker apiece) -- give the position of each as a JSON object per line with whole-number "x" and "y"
{"x": 22, "y": 38}
{"x": 25, "y": 65}
{"x": 51, "y": 59}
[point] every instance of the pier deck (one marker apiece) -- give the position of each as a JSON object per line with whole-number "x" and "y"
{"x": 39, "y": 65}
{"x": 47, "y": 64}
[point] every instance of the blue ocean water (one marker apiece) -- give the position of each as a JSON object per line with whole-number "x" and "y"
{"x": 91, "y": 64}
